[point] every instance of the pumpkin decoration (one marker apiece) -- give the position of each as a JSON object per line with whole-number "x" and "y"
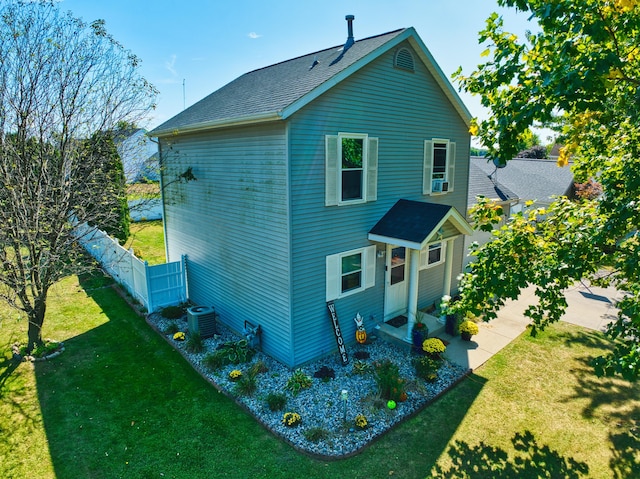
{"x": 361, "y": 336}
{"x": 361, "y": 333}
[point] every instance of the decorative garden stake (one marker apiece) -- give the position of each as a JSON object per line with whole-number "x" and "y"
{"x": 344, "y": 395}
{"x": 361, "y": 333}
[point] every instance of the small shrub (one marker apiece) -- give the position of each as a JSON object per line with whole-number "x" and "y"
{"x": 361, "y": 421}
{"x": 172, "y": 329}
{"x": 194, "y": 343}
{"x": 468, "y": 327}
{"x": 390, "y": 385}
{"x": 298, "y": 381}
{"x": 237, "y": 352}
{"x": 433, "y": 346}
{"x": 360, "y": 367}
{"x": 215, "y": 361}
{"x": 235, "y": 375}
{"x": 315, "y": 434}
{"x": 361, "y": 355}
{"x": 325, "y": 373}
{"x": 179, "y": 336}
{"x": 276, "y": 401}
{"x": 427, "y": 368}
{"x": 291, "y": 419}
{"x": 173, "y": 312}
{"x": 247, "y": 385}
{"x": 259, "y": 367}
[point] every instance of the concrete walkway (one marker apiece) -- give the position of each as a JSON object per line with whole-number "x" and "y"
{"x": 588, "y": 306}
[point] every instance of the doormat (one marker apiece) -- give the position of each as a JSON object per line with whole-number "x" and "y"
{"x": 397, "y": 321}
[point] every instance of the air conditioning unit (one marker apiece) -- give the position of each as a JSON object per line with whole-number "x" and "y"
{"x": 439, "y": 186}
{"x": 202, "y": 319}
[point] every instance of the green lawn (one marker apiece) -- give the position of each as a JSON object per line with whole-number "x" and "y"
{"x": 120, "y": 402}
{"x": 147, "y": 241}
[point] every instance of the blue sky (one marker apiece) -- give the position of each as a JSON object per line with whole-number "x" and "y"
{"x": 208, "y": 43}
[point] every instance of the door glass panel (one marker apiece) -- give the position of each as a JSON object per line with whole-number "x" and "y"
{"x": 397, "y": 264}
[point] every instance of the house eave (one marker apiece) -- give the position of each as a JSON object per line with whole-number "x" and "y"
{"x": 223, "y": 123}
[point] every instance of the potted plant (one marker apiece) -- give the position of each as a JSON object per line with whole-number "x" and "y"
{"x": 420, "y": 332}
{"x": 467, "y": 329}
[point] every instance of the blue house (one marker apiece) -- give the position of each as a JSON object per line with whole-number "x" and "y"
{"x": 336, "y": 178}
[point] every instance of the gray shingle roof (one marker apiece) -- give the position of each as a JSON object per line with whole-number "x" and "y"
{"x": 277, "y": 91}
{"x": 480, "y": 184}
{"x": 530, "y": 179}
{"x": 411, "y": 223}
{"x": 273, "y": 88}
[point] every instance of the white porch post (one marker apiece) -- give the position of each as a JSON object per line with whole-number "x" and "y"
{"x": 412, "y": 306}
{"x": 448, "y": 267}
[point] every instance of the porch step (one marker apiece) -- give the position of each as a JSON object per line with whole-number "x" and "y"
{"x": 398, "y": 336}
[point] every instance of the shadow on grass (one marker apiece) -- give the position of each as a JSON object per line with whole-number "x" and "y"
{"x": 611, "y": 399}
{"x": 531, "y": 461}
{"x": 120, "y": 402}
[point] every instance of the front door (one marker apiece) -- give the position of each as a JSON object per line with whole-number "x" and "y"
{"x": 395, "y": 298}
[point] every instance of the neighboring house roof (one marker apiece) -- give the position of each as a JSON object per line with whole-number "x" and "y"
{"x": 530, "y": 179}
{"x": 413, "y": 223}
{"x": 277, "y": 91}
{"x": 481, "y": 184}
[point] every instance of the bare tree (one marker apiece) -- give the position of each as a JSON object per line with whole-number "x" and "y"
{"x": 61, "y": 81}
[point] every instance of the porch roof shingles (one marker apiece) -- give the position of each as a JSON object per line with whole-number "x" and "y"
{"x": 412, "y": 223}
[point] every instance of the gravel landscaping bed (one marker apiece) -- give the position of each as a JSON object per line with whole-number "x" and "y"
{"x": 323, "y": 430}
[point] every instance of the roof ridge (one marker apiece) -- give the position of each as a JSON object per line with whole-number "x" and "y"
{"x": 323, "y": 50}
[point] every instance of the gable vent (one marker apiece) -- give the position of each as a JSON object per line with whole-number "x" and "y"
{"x": 404, "y": 60}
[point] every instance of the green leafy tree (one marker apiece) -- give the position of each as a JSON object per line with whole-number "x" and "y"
{"x": 580, "y": 69}
{"x": 61, "y": 81}
{"x": 111, "y": 213}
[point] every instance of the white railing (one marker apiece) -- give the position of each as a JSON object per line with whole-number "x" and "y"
{"x": 154, "y": 286}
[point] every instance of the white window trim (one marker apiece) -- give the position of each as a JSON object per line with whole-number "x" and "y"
{"x": 333, "y": 169}
{"x": 334, "y": 272}
{"x": 427, "y": 177}
{"x": 424, "y": 255}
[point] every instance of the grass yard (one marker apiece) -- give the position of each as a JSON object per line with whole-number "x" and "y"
{"x": 120, "y": 402}
{"x": 147, "y": 241}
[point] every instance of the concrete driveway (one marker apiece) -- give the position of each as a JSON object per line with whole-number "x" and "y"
{"x": 588, "y": 306}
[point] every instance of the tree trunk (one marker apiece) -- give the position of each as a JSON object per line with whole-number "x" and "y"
{"x": 36, "y": 319}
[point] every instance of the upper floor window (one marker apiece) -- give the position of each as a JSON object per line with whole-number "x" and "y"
{"x": 439, "y": 166}
{"x": 351, "y": 168}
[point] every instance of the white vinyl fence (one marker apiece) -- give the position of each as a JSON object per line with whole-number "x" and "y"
{"x": 154, "y": 286}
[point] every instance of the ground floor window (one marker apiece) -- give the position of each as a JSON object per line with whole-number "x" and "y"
{"x": 350, "y": 272}
{"x": 432, "y": 255}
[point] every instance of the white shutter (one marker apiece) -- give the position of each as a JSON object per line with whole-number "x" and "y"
{"x": 333, "y": 276}
{"x": 424, "y": 255}
{"x": 427, "y": 167}
{"x": 371, "y": 173}
{"x": 452, "y": 165}
{"x": 369, "y": 257}
{"x": 332, "y": 169}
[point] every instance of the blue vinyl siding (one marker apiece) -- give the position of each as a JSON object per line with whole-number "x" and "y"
{"x": 402, "y": 109}
{"x": 233, "y": 224}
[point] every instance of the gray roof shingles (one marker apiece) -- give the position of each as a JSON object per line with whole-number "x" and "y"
{"x": 410, "y": 220}
{"x": 273, "y": 88}
{"x": 480, "y": 184}
{"x": 530, "y": 179}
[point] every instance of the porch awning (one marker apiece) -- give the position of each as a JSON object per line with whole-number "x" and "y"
{"x": 413, "y": 224}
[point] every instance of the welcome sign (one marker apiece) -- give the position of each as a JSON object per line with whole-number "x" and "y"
{"x": 342, "y": 349}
